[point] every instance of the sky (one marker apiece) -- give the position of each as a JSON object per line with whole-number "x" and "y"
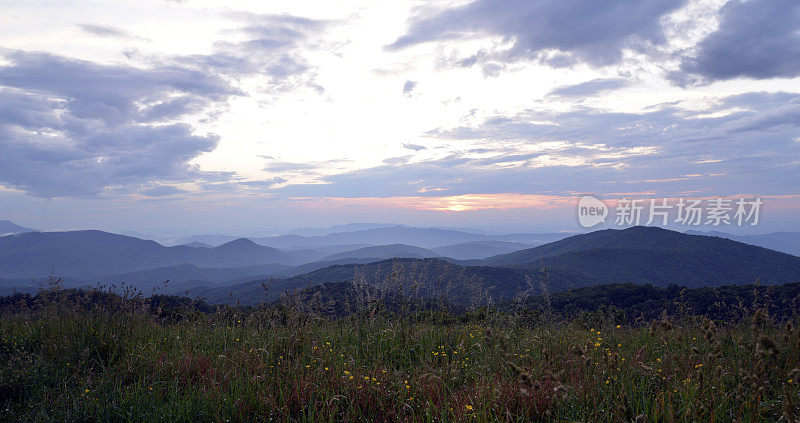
{"x": 199, "y": 116}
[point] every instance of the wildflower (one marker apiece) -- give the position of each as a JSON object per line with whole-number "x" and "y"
{"x": 698, "y": 366}
{"x": 469, "y": 407}
{"x": 326, "y": 369}
{"x": 618, "y": 326}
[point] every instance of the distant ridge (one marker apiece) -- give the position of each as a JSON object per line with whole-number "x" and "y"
{"x": 95, "y": 254}
{"x": 8, "y": 228}
{"x": 480, "y": 249}
{"x": 197, "y": 244}
{"x": 385, "y": 252}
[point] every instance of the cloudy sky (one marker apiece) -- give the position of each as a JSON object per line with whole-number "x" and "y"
{"x": 224, "y": 117}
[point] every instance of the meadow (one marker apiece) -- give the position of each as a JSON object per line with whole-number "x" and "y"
{"x": 90, "y": 356}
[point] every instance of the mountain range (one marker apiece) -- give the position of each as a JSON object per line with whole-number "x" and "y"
{"x": 472, "y": 270}
{"x": 635, "y": 255}
{"x": 397, "y": 234}
{"x": 95, "y": 254}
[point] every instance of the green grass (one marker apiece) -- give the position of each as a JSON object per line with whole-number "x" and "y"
{"x": 118, "y": 363}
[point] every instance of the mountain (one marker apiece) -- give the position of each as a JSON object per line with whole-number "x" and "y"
{"x": 659, "y": 256}
{"x": 95, "y": 254}
{"x": 479, "y": 249}
{"x": 145, "y": 280}
{"x": 787, "y": 242}
{"x": 349, "y": 227}
{"x": 245, "y": 247}
{"x": 425, "y": 278}
{"x": 420, "y": 237}
{"x": 384, "y": 252}
{"x": 8, "y": 228}
{"x": 212, "y": 240}
{"x": 197, "y": 244}
{"x": 635, "y": 255}
{"x": 315, "y": 253}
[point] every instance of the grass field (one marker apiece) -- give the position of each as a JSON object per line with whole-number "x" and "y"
{"x": 77, "y": 359}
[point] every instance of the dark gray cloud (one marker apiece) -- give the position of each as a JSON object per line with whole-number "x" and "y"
{"x": 756, "y": 39}
{"x": 589, "y": 88}
{"x": 554, "y": 31}
{"x": 108, "y": 32}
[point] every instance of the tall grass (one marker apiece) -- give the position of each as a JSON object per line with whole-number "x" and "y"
{"x": 73, "y": 359}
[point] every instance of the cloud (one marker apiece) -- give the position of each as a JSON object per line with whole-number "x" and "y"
{"x": 756, "y": 39}
{"x": 108, "y": 32}
{"x": 726, "y": 148}
{"x": 272, "y": 46}
{"x": 553, "y": 31}
{"x": 264, "y": 183}
{"x": 589, "y": 88}
{"x": 162, "y": 191}
{"x": 454, "y": 203}
{"x": 72, "y": 127}
{"x": 397, "y": 160}
{"x": 408, "y": 87}
{"x": 415, "y": 147}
